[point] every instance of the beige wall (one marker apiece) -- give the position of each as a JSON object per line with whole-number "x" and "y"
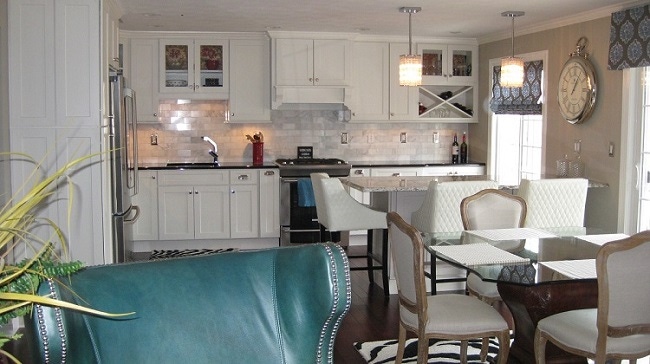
{"x": 4, "y": 102}
{"x": 596, "y": 133}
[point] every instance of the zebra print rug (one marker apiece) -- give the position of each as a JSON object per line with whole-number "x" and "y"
{"x": 440, "y": 351}
{"x": 166, "y": 254}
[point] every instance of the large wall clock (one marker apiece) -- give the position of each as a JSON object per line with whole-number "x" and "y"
{"x": 576, "y": 91}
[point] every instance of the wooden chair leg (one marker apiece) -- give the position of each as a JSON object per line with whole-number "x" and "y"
{"x": 463, "y": 351}
{"x": 504, "y": 347}
{"x": 540, "y": 348}
{"x": 485, "y": 345}
{"x": 423, "y": 350}
{"x": 401, "y": 342}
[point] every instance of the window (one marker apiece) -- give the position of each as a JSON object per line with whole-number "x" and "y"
{"x": 517, "y": 125}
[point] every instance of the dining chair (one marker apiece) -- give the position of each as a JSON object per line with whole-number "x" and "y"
{"x": 556, "y": 205}
{"x": 619, "y": 328}
{"x": 491, "y": 209}
{"x": 337, "y": 211}
{"x": 445, "y": 316}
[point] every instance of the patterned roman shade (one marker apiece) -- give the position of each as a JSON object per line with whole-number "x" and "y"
{"x": 629, "y": 37}
{"x": 525, "y": 100}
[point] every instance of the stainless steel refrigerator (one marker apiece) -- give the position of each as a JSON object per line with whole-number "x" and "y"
{"x": 124, "y": 164}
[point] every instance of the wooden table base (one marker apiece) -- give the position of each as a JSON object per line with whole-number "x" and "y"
{"x": 529, "y": 304}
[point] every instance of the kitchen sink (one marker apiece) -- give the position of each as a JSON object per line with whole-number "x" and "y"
{"x": 195, "y": 165}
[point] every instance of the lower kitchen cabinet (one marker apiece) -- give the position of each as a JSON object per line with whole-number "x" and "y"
{"x": 208, "y": 204}
{"x": 193, "y": 205}
{"x": 146, "y": 226}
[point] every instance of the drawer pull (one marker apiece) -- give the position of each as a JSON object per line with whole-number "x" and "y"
{"x": 242, "y": 177}
{"x": 269, "y": 173}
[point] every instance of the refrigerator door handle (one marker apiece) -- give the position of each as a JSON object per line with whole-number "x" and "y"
{"x": 136, "y": 214}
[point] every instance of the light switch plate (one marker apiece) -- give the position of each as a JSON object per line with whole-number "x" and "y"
{"x": 344, "y": 138}
{"x": 436, "y": 137}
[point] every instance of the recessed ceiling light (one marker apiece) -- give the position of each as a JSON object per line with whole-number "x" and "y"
{"x": 456, "y": 32}
{"x": 362, "y": 29}
{"x": 272, "y": 27}
{"x": 150, "y": 15}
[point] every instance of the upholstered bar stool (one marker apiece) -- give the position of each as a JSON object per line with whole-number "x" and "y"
{"x": 556, "y": 205}
{"x": 439, "y": 214}
{"x": 337, "y": 211}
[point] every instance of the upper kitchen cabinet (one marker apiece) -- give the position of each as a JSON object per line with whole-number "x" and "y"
{"x": 250, "y": 86}
{"x": 195, "y": 68}
{"x": 312, "y": 62}
{"x": 449, "y": 90}
{"x": 143, "y": 77}
{"x": 403, "y": 99}
{"x": 371, "y": 75}
{"x": 444, "y": 64}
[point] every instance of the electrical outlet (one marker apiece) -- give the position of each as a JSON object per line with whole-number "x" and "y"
{"x": 402, "y": 137}
{"x": 371, "y": 138}
{"x": 610, "y": 151}
{"x": 153, "y": 139}
{"x": 344, "y": 138}
{"x": 436, "y": 137}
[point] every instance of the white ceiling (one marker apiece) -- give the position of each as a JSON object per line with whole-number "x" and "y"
{"x": 479, "y": 19}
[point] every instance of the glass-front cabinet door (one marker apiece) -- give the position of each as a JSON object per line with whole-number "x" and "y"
{"x": 448, "y": 64}
{"x": 193, "y": 66}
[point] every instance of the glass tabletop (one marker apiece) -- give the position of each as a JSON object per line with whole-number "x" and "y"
{"x": 546, "y": 257}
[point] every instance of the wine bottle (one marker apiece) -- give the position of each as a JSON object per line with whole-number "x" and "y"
{"x": 463, "y": 151}
{"x": 454, "y": 150}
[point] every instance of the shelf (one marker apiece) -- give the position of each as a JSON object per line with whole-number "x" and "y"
{"x": 446, "y": 102}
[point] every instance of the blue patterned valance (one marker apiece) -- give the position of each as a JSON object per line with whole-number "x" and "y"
{"x": 525, "y": 100}
{"x": 629, "y": 37}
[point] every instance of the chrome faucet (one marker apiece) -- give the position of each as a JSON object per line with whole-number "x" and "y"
{"x": 213, "y": 153}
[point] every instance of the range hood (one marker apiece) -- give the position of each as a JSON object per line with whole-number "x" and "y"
{"x": 310, "y": 97}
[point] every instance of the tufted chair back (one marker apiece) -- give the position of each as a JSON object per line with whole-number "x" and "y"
{"x": 556, "y": 205}
{"x": 440, "y": 211}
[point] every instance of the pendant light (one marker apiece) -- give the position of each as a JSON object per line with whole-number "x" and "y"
{"x": 512, "y": 68}
{"x": 410, "y": 65}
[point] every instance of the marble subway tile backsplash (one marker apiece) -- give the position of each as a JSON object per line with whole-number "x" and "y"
{"x": 182, "y": 124}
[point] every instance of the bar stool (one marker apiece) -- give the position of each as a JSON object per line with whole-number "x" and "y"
{"x": 337, "y": 211}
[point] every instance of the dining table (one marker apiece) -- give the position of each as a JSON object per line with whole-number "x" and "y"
{"x": 537, "y": 274}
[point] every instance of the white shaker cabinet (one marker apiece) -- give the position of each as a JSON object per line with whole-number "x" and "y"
{"x": 143, "y": 77}
{"x": 312, "y": 62}
{"x": 244, "y": 203}
{"x": 146, "y": 226}
{"x": 193, "y": 205}
{"x": 371, "y": 75}
{"x": 269, "y": 203}
{"x": 250, "y": 86}
{"x": 454, "y": 170}
{"x": 403, "y": 99}
{"x": 54, "y": 109}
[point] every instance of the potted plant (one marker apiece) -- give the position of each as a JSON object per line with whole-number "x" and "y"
{"x": 18, "y": 219}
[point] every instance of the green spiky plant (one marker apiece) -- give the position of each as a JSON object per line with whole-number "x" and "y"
{"x": 18, "y": 218}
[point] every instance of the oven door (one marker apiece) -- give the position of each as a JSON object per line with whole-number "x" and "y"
{"x": 298, "y": 225}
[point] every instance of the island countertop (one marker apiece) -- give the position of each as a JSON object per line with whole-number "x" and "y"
{"x": 420, "y": 183}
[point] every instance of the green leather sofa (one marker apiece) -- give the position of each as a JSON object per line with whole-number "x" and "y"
{"x": 281, "y": 305}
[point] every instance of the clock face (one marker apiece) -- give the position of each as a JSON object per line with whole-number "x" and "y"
{"x": 576, "y": 90}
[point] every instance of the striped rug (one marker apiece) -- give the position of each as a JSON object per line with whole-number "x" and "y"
{"x": 166, "y": 254}
{"x": 440, "y": 351}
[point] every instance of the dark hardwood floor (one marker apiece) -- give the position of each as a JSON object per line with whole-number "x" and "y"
{"x": 372, "y": 316}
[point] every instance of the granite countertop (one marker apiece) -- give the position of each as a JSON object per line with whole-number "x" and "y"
{"x": 370, "y": 164}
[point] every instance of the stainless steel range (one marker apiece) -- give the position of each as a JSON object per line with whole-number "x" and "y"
{"x": 299, "y": 224}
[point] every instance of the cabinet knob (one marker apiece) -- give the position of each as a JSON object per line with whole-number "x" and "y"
{"x": 317, "y": 79}
{"x": 190, "y": 192}
{"x": 153, "y": 177}
{"x": 196, "y": 192}
{"x": 232, "y": 191}
{"x": 311, "y": 79}
{"x": 155, "y": 114}
{"x": 191, "y": 87}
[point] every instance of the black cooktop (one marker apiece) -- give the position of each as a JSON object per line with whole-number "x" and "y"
{"x": 309, "y": 161}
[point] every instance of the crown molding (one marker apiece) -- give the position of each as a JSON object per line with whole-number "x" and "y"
{"x": 562, "y": 22}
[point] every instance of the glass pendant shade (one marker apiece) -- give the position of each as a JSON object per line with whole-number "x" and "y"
{"x": 512, "y": 72}
{"x": 410, "y": 70}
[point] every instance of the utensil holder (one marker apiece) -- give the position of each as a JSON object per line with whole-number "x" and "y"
{"x": 258, "y": 153}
